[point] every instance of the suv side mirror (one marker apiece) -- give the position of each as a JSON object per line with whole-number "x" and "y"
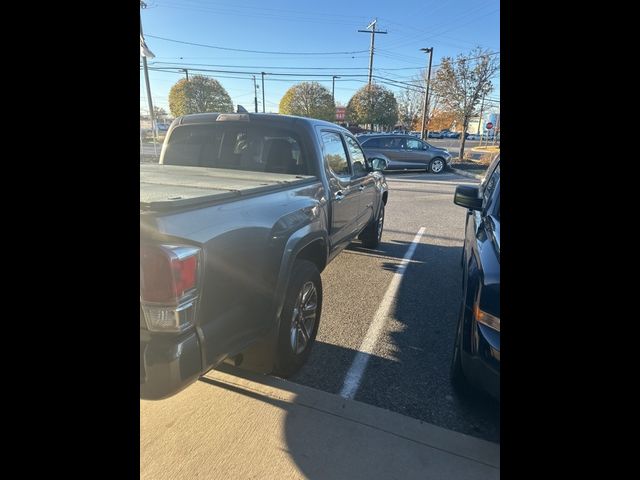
{"x": 468, "y": 196}
{"x": 378, "y": 164}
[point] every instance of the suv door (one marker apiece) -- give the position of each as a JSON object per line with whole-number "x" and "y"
{"x": 417, "y": 152}
{"x": 345, "y": 194}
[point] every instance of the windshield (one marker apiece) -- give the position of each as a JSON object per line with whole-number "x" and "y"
{"x": 236, "y": 146}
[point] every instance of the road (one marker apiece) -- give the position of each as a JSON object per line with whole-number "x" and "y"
{"x": 408, "y": 371}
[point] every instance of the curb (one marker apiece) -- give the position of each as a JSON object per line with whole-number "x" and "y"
{"x": 351, "y": 411}
{"x": 466, "y": 174}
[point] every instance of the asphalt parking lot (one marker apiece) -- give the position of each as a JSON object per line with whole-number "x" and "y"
{"x": 408, "y": 366}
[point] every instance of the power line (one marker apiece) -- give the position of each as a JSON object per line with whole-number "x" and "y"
{"x": 276, "y": 68}
{"x": 254, "y": 51}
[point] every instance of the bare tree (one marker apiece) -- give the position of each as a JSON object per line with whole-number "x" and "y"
{"x": 411, "y": 102}
{"x": 409, "y": 106}
{"x": 462, "y": 82}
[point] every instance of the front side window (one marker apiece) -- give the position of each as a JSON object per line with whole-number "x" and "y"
{"x": 357, "y": 157}
{"x": 334, "y": 153}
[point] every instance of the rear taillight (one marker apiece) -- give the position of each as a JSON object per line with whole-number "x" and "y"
{"x": 169, "y": 286}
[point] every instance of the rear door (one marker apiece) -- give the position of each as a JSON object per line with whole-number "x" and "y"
{"x": 345, "y": 194}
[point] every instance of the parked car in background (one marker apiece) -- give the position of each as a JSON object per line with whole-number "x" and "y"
{"x": 406, "y": 152}
{"x": 476, "y": 353}
{"x": 473, "y": 136}
{"x": 434, "y": 135}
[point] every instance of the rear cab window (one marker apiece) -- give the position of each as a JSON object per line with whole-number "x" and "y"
{"x": 237, "y": 146}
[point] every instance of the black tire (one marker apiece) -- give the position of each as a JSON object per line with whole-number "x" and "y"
{"x": 458, "y": 379}
{"x": 437, "y": 165}
{"x": 461, "y": 384}
{"x": 372, "y": 234}
{"x": 288, "y": 359}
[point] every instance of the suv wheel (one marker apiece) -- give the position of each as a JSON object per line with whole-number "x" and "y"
{"x": 437, "y": 165}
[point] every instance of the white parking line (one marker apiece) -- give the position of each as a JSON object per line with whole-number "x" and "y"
{"x": 354, "y": 375}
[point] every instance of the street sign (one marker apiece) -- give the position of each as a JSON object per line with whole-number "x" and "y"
{"x": 489, "y": 126}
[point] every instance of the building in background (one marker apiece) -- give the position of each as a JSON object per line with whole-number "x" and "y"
{"x": 479, "y": 127}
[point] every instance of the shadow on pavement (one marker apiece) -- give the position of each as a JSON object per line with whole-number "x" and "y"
{"x": 420, "y": 335}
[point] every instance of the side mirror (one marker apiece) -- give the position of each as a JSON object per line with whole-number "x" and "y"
{"x": 468, "y": 196}
{"x": 378, "y": 164}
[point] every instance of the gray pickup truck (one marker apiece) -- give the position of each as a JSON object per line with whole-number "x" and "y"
{"x": 237, "y": 221}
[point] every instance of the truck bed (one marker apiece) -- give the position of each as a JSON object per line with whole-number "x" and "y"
{"x": 168, "y": 187}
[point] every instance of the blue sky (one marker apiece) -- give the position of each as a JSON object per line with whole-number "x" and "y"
{"x": 298, "y": 28}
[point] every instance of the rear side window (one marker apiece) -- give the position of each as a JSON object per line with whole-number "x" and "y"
{"x": 393, "y": 143}
{"x": 334, "y": 153}
{"x": 237, "y": 146}
{"x": 372, "y": 143}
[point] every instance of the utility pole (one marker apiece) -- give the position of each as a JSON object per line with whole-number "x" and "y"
{"x": 426, "y": 94}
{"x": 481, "y": 109}
{"x": 146, "y": 79}
{"x": 255, "y": 93}
{"x": 333, "y": 88}
{"x": 186, "y": 71}
{"x": 373, "y": 32}
{"x": 262, "y": 91}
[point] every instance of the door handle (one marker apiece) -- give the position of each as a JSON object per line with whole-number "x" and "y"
{"x": 339, "y": 196}
{"x": 361, "y": 187}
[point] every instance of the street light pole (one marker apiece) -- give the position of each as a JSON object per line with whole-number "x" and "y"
{"x": 481, "y": 109}
{"x": 255, "y": 93}
{"x": 146, "y": 80}
{"x": 262, "y": 91}
{"x": 426, "y": 94}
{"x": 333, "y": 88}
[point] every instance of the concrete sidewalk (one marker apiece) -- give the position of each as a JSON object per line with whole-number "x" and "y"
{"x": 227, "y": 426}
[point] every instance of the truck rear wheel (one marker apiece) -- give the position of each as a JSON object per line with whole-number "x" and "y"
{"x": 299, "y": 319}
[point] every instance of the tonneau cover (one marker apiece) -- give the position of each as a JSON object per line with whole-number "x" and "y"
{"x": 164, "y": 187}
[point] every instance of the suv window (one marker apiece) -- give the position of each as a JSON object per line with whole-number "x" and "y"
{"x": 334, "y": 153}
{"x": 372, "y": 143}
{"x": 357, "y": 157}
{"x": 414, "y": 144}
{"x": 394, "y": 143}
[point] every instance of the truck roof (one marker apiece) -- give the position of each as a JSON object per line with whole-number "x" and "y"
{"x": 291, "y": 120}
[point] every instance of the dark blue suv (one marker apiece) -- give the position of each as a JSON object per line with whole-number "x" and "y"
{"x": 476, "y": 353}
